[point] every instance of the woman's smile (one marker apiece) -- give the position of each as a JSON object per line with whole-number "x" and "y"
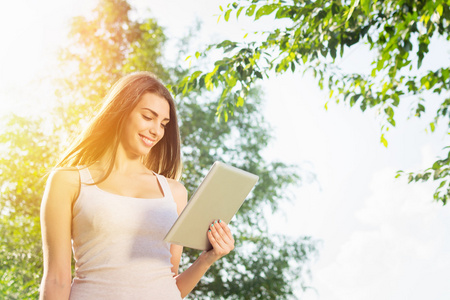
{"x": 147, "y": 141}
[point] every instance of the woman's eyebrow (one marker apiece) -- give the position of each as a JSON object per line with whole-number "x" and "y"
{"x": 155, "y": 113}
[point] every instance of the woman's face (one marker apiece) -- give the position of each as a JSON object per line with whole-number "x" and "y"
{"x": 145, "y": 125}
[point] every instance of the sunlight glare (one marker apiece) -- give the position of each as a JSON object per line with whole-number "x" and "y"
{"x": 32, "y": 32}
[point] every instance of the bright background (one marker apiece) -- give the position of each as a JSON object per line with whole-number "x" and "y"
{"x": 381, "y": 238}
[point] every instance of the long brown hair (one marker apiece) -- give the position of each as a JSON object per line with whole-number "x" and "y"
{"x": 102, "y": 135}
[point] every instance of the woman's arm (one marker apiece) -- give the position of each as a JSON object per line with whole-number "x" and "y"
{"x": 56, "y": 215}
{"x": 222, "y": 241}
{"x": 220, "y": 238}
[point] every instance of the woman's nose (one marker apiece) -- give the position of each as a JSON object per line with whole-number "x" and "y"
{"x": 155, "y": 128}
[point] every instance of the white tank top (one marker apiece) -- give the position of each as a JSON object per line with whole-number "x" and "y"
{"x": 118, "y": 244}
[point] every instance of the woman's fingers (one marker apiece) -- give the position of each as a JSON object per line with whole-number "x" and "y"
{"x": 222, "y": 232}
{"x": 220, "y": 237}
{"x": 227, "y": 230}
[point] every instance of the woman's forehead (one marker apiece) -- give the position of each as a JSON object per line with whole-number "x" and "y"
{"x": 155, "y": 103}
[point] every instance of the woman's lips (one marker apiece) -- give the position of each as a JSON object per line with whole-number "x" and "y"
{"x": 147, "y": 141}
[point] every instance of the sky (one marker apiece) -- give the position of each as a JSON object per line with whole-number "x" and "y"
{"x": 380, "y": 238}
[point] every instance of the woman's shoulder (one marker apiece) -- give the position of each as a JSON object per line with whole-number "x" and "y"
{"x": 176, "y": 187}
{"x": 179, "y": 193}
{"x": 67, "y": 176}
{"x": 63, "y": 182}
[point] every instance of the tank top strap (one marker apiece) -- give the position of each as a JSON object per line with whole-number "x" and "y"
{"x": 164, "y": 185}
{"x": 85, "y": 175}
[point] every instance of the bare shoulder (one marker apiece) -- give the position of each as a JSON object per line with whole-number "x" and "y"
{"x": 179, "y": 193}
{"x": 65, "y": 176}
{"x": 64, "y": 181}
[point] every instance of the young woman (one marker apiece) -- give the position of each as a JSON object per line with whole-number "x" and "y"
{"x": 114, "y": 196}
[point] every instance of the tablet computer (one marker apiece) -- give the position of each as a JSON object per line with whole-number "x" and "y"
{"x": 219, "y": 196}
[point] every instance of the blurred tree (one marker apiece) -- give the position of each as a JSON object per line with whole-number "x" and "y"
{"x": 102, "y": 48}
{"x": 263, "y": 265}
{"x": 27, "y": 154}
{"x": 313, "y": 35}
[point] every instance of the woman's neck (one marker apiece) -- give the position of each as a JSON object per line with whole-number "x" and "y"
{"x": 123, "y": 162}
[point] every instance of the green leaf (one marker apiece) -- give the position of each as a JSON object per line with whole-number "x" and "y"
{"x": 196, "y": 74}
{"x": 396, "y": 99}
{"x": 352, "y": 8}
{"x": 240, "y": 101}
{"x": 383, "y": 141}
{"x": 365, "y": 4}
{"x": 227, "y": 15}
{"x": 440, "y": 9}
{"x": 208, "y": 83}
{"x": 436, "y": 165}
{"x": 239, "y": 11}
{"x": 265, "y": 10}
{"x": 251, "y": 10}
{"x": 389, "y": 111}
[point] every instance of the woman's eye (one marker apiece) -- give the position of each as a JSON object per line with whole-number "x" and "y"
{"x": 146, "y": 118}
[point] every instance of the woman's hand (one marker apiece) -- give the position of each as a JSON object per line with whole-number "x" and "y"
{"x": 221, "y": 239}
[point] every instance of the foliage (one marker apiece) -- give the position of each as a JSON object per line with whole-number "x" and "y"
{"x": 259, "y": 267}
{"x": 20, "y": 256}
{"x": 103, "y": 47}
{"x": 267, "y": 271}
{"x": 317, "y": 34}
{"x": 27, "y": 154}
{"x": 262, "y": 265}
